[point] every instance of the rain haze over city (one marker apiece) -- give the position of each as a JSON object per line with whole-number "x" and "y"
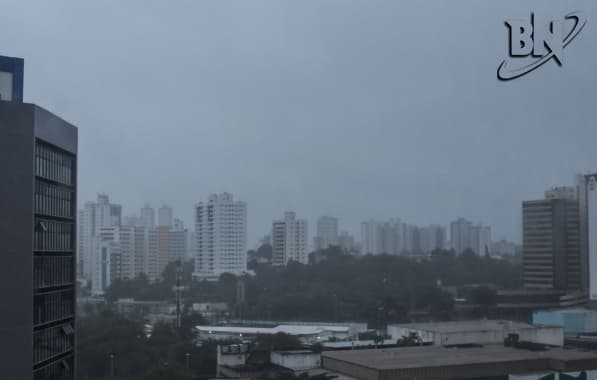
{"x": 300, "y": 178}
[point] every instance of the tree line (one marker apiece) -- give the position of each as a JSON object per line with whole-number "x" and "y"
{"x": 377, "y": 289}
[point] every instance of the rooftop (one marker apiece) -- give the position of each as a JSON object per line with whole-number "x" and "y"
{"x": 464, "y": 326}
{"x": 436, "y": 362}
{"x": 286, "y": 329}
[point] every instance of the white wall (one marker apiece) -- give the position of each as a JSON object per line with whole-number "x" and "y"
{"x": 296, "y": 361}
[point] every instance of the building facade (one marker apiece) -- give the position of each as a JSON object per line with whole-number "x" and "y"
{"x": 551, "y": 245}
{"x": 165, "y": 216}
{"x": 326, "y": 234}
{"x": 289, "y": 240}
{"x": 147, "y": 216}
{"x": 587, "y": 201}
{"x": 221, "y": 237}
{"x": 93, "y": 216}
{"x": 38, "y": 159}
{"x": 464, "y": 235}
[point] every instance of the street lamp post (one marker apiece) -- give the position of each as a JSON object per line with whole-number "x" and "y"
{"x": 187, "y": 355}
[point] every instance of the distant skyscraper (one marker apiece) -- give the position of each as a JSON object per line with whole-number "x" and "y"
{"x": 481, "y": 240}
{"x": 38, "y": 163}
{"x": 369, "y": 238}
{"x": 587, "y": 199}
{"x": 165, "y": 216}
{"x": 432, "y": 237}
{"x": 148, "y": 216}
{"x": 221, "y": 235}
{"x": 289, "y": 240}
{"x": 551, "y": 255}
{"x": 91, "y": 218}
{"x": 460, "y": 235}
{"x": 327, "y": 233}
{"x": 347, "y": 242}
{"x": 124, "y": 252}
{"x": 107, "y": 268}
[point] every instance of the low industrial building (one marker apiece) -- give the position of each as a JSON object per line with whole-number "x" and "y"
{"x": 355, "y": 328}
{"x": 495, "y": 362}
{"x": 477, "y": 332}
{"x": 306, "y": 334}
{"x": 296, "y": 360}
{"x": 240, "y": 361}
{"x": 573, "y": 321}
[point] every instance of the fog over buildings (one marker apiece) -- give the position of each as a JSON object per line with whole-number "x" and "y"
{"x": 310, "y": 106}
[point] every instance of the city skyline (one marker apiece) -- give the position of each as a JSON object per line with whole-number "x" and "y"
{"x": 331, "y": 92}
{"x": 129, "y": 218}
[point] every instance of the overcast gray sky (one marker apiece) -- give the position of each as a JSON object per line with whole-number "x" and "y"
{"x": 358, "y": 109}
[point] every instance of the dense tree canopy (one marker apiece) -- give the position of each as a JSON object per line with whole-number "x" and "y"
{"x": 374, "y": 288}
{"x": 135, "y": 355}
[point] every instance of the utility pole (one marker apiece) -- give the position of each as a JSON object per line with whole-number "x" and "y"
{"x": 178, "y": 289}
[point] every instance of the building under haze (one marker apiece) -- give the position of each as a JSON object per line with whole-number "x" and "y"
{"x": 221, "y": 237}
{"x": 550, "y": 233}
{"x": 465, "y": 235}
{"x": 38, "y": 160}
{"x": 460, "y": 235}
{"x": 393, "y": 237}
{"x": 147, "y": 216}
{"x": 165, "y": 216}
{"x": 92, "y": 217}
{"x": 347, "y": 242}
{"x": 289, "y": 240}
{"x": 587, "y": 201}
{"x": 326, "y": 234}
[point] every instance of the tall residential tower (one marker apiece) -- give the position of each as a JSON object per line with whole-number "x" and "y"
{"x": 221, "y": 237}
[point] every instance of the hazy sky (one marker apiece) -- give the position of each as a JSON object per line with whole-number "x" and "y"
{"x": 358, "y": 109}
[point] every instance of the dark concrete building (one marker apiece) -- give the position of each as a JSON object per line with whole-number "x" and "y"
{"x": 38, "y": 164}
{"x": 551, "y": 245}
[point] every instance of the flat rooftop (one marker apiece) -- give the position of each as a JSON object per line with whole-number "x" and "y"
{"x": 436, "y": 362}
{"x": 286, "y": 329}
{"x": 464, "y": 326}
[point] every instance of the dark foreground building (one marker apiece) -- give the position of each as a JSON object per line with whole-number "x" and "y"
{"x": 491, "y": 362}
{"x": 38, "y": 165}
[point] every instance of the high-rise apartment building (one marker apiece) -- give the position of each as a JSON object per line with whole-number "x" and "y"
{"x": 147, "y": 215}
{"x": 38, "y": 162}
{"x": 221, "y": 237}
{"x": 432, "y": 237}
{"x": 92, "y": 217}
{"x": 289, "y": 240}
{"x": 388, "y": 237}
{"x": 165, "y": 216}
{"x": 460, "y": 235}
{"x": 326, "y": 234}
{"x": 551, "y": 252}
{"x": 347, "y": 242}
{"x": 369, "y": 238}
{"x": 481, "y": 240}
{"x": 464, "y": 235}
